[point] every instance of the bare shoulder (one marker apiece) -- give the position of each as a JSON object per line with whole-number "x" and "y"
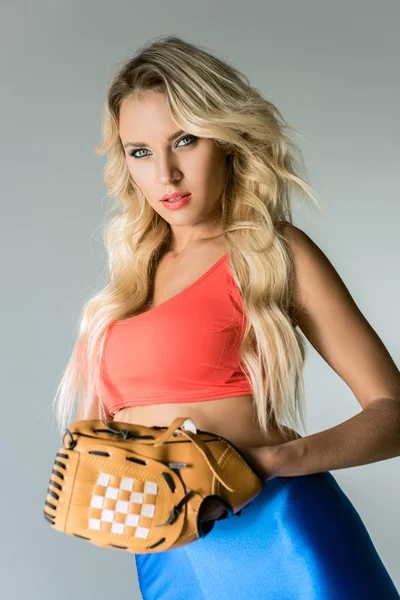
{"x": 308, "y": 259}
{"x": 330, "y": 319}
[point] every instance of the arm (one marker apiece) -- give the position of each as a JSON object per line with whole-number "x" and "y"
{"x": 94, "y": 412}
{"x": 334, "y": 325}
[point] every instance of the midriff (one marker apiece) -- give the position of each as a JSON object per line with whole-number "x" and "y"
{"x": 232, "y": 418}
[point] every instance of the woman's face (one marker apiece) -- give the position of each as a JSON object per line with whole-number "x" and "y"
{"x": 159, "y": 164}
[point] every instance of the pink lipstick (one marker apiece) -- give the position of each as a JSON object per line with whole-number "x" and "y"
{"x": 174, "y": 204}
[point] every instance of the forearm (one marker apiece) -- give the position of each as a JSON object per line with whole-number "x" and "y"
{"x": 370, "y": 436}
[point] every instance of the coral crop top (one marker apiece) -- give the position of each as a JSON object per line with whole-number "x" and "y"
{"x": 183, "y": 350}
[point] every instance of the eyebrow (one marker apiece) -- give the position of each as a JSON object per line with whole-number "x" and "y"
{"x": 143, "y": 144}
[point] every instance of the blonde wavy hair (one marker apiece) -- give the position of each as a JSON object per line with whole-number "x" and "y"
{"x": 207, "y": 98}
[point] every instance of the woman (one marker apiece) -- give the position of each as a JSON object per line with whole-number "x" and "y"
{"x": 200, "y": 317}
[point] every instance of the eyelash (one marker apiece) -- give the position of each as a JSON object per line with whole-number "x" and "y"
{"x": 191, "y": 137}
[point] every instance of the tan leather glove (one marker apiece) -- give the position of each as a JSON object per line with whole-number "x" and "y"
{"x": 146, "y": 489}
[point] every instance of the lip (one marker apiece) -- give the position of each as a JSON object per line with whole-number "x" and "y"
{"x": 173, "y": 195}
{"x": 176, "y": 204}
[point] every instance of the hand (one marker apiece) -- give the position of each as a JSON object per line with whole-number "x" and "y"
{"x": 263, "y": 459}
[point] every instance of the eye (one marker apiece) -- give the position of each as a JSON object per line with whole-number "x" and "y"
{"x": 192, "y": 139}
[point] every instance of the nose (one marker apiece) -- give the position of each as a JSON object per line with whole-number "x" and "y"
{"x": 167, "y": 172}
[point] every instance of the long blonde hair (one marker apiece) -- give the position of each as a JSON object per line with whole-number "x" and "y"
{"x": 207, "y": 98}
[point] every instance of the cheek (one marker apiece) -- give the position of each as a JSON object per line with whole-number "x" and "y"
{"x": 138, "y": 178}
{"x": 216, "y": 179}
{"x": 142, "y": 174}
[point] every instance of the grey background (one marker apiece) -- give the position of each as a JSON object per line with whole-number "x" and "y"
{"x": 332, "y": 68}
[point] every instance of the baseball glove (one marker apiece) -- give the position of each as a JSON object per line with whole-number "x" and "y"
{"x": 146, "y": 489}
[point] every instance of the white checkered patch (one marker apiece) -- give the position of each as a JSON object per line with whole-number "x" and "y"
{"x": 122, "y": 505}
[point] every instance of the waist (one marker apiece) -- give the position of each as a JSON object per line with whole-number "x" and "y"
{"x": 233, "y": 418}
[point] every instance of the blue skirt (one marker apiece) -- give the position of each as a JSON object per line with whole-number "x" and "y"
{"x": 300, "y": 539}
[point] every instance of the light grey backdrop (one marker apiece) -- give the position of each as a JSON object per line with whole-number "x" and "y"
{"x": 332, "y": 68}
